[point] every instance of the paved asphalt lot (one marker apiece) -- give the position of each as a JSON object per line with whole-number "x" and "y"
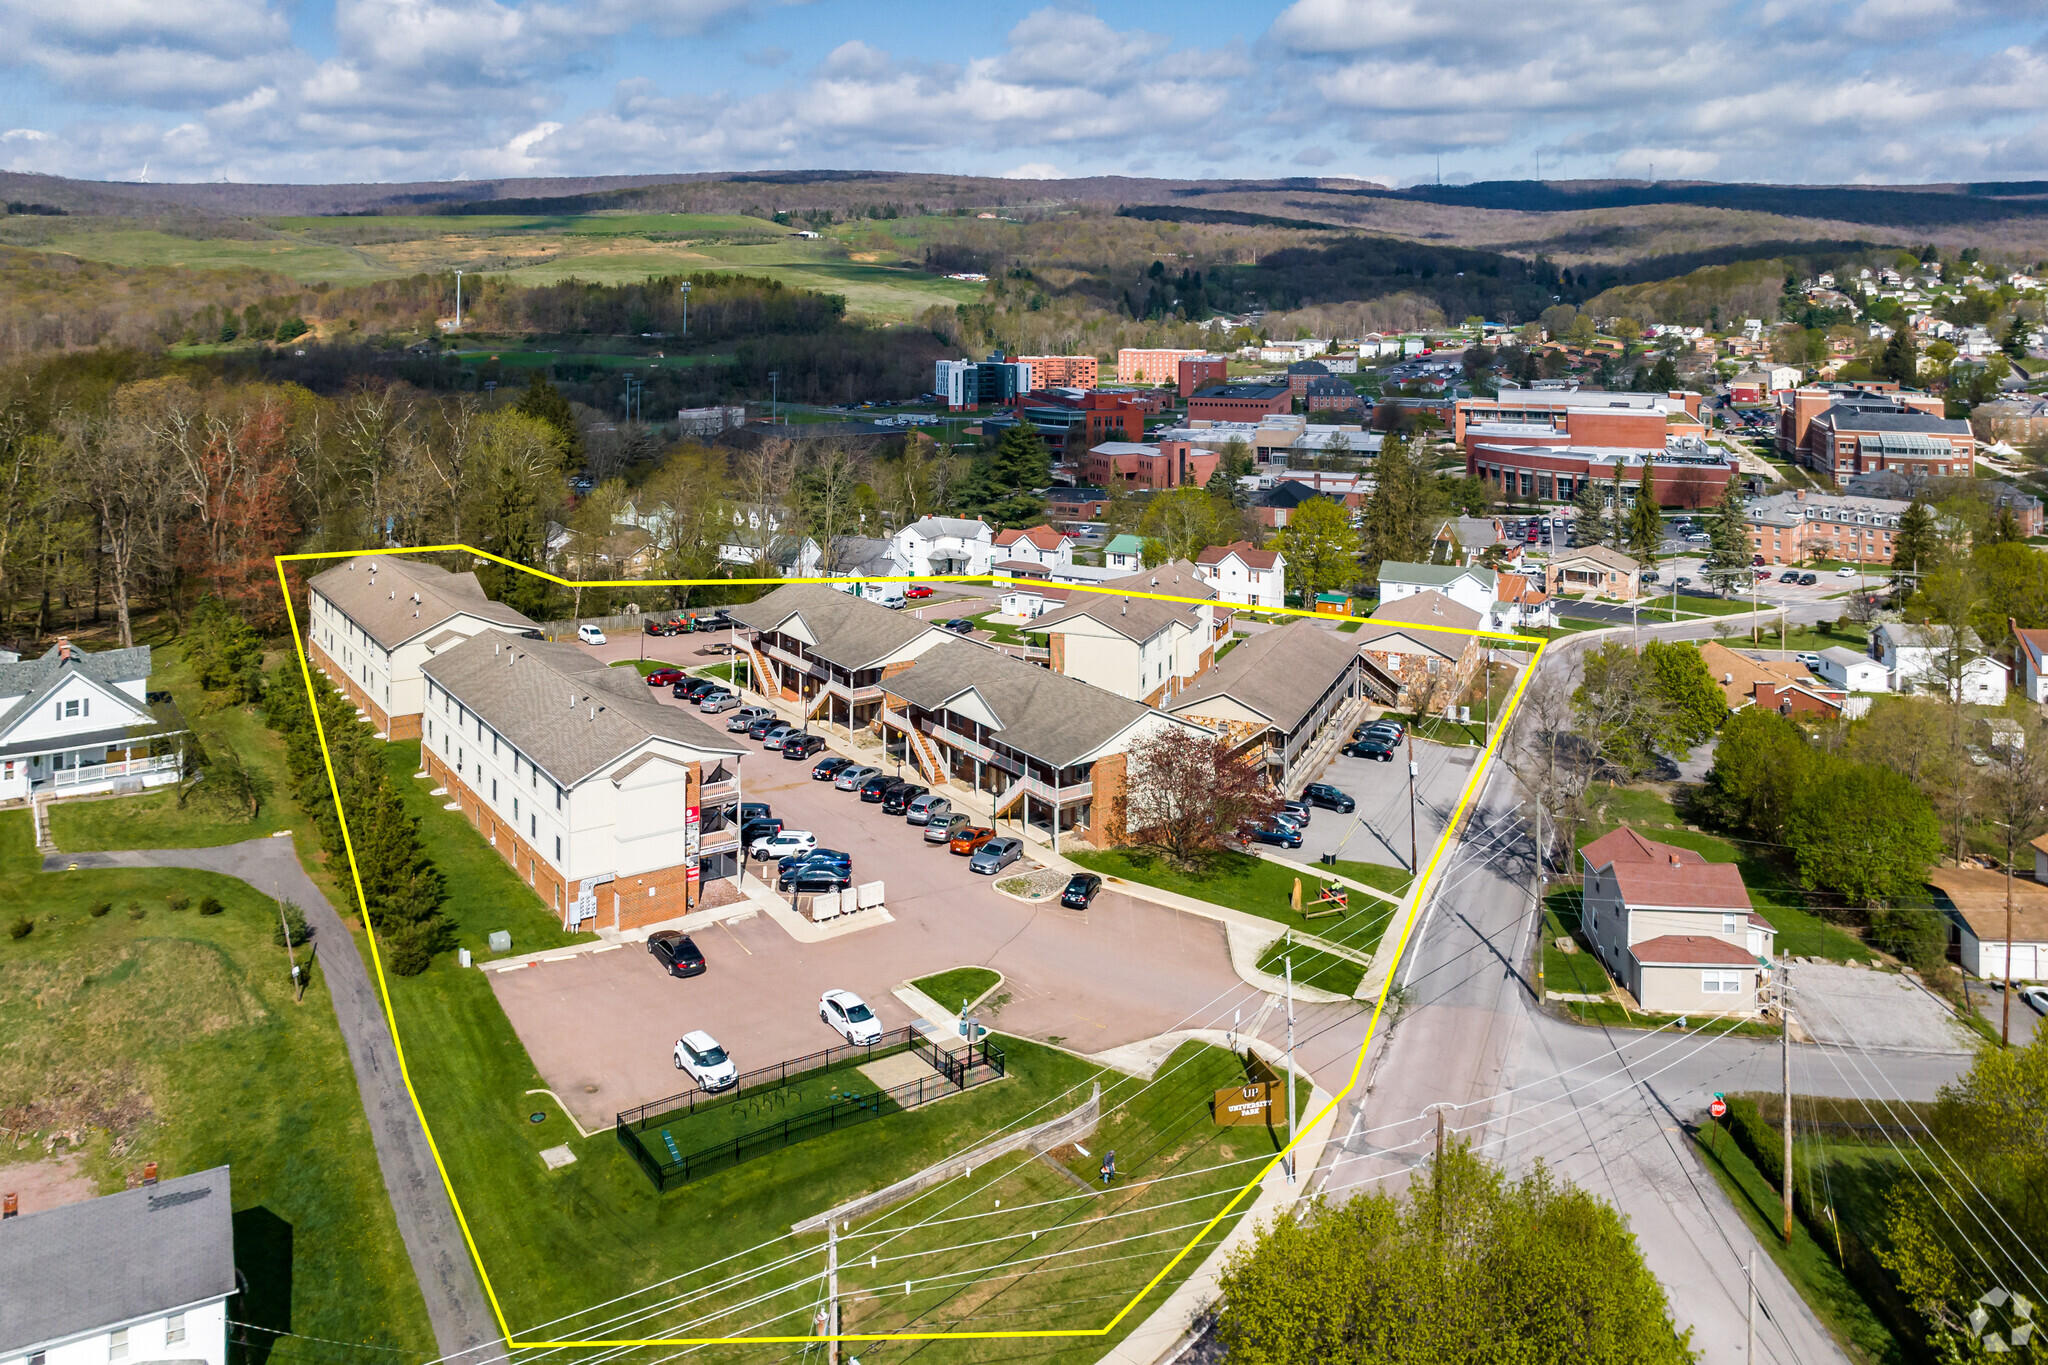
{"x": 1377, "y": 832}
{"x": 601, "y": 1027}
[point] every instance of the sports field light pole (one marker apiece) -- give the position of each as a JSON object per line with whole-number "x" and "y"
{"x": 685, "y": 291}
{"x": 774, "y": 397}
{"x": 458, "y": 300}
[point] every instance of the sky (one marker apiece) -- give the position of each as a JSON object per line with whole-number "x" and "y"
{"x": 1790, "y": 91}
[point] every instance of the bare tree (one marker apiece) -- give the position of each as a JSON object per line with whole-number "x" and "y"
{"x": 1549, "y": 755}
{"x": 129, "y": 481}
{"x": 761, "y": 485}
{"x": 685, "y": 509}
{"x": 1188, "y": 795}
{"x": 828, "y": 483}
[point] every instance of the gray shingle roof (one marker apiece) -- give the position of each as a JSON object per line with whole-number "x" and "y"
{"x": 385, "y": 608}
{"x": 1051, "y": 717}
{"x": 1135, "y": 618}
{"x": 524, "y": 689}
{"x": 1433, "y": 575}
{"x": 850, "y": 631}
{"x": 1280, "y": 674}
{"x": 31, "y": 680}
{"x": 136, "y": 1254}
{"x": 931, "y": 528}
{"x": 1425, "y": 609}
{"x": 1850, "y": 417}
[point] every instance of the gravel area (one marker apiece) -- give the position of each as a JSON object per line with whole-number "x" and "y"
{"x": 1041, "y": 885}
{"x": 1852, "y": 1006}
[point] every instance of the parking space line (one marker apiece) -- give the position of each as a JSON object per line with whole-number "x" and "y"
{"x": 735, "y": 938}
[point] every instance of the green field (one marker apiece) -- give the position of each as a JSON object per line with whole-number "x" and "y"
{"x": 167, "y": 1035}
{"x": 1312, "y": 966}
{"x": 1255, "y": 886}
{"x": 961, "y": 983}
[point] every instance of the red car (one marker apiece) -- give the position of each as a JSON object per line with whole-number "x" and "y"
{"x": 665, "y": 677}
{"x": 917, "y": 590}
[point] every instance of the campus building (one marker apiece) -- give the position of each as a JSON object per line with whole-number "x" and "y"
{"x": 1684, "y": 472}
{"x": 1864, "y": 437}
{"x": 1582, "y": 417}
{"x": 1141, "y": 365}
{"x": 1799, "y": 407}
{"x": 1238, "y": 402}
{"x": 372, "y": 621}
{"x": 965, "y": 385}
{"x": 1148, "y": 465}
{"x": 1062, "y": 371}
{"x": 1071, "y": 420}
{"x": 1200, "y": 371}
{"x": 618, "y": 811}
{"x": 1791, "y": 528}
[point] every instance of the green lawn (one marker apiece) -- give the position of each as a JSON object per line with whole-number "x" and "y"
{"x": 171, "y": 1036}
{"x": 1579, "y": 973}
{"x": 1255, "y": 886}
{"x": 1312, "y": 966}
{"x": 1007, "y": 634}
{"x": 1774, "y": 895}
{"x": 961, "y": 983}
{"x": 1392, "y": 880}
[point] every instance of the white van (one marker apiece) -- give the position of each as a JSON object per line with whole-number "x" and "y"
{"x": 589, "y": 635}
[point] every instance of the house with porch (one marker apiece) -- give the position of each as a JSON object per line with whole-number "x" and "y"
{"x": 1039, "y": 548}
{"x": 79, "y": 723}
{"x": 829, "y": 652}
{"x": 1274, "y": 692}
{"x": 1595, "y": 571}
{"x": 1676, "y": 931}
{"x": 1939, "y": 659}
{"x": 1124, "y": 639}
{"x": 1048, "y": 750}
{"x": 943, "y": 545}
{"x": 372, "y": 621}
{"x": 618, "y": 811}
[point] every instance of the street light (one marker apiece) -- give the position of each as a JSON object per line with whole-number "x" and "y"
{"x": 686, "y": 309}
{"x": 458, "y": 300}
{"x": 774, "y": 397}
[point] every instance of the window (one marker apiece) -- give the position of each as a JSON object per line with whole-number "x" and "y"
{"x": 558, "y": 848}
{"x": 533, "y": 827}
{"x": 515, "y": 811}
{"x": 1731, "y": 924}
{"x": 174, "y": 1329}
{"x": 1720, "y": 983}
{"x": 70, "y": 709}
{"x": 117, "y": 1345}
{"x": 494, "y": 791}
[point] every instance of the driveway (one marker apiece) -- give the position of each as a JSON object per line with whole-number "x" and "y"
{"x": 601, "y": 1027}
{"x": 1857, "y": 1007}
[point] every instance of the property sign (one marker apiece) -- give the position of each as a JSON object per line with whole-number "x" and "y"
{"x": 1244, "y": 1104}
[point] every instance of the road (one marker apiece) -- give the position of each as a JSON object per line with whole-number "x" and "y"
{"x": 456, "y": 1306}
{"x": 1603, "y": 1108}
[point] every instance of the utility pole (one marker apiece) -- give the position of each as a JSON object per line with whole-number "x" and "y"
{"x": 1414, "y": 864}
{"x": 1290, "y": 1068}
{"x": 1536, "y": 895}
{"x": 832, "y": 1294}
{"x": 1785, "y": 1049}
{"x": 774, "y": 397}
{"x": 458, "y": 300}
{"x": 2005, "y": 1004}
{"x": 686, "y": 309}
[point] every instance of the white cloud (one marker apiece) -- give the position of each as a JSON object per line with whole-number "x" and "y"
{"x": 1034, "y": 170}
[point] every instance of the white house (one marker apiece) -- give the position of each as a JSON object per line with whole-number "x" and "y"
{"x": 1518, "y": 601}
{"x": 1674, "y": 929}
{"x": 141, "y": 1275}
{"x": 73, "y": 723}
{"x": 1126, "y": 552}
{"x": 1918, "y": 658}
{"x": 1040, "y": 547}
{"x": 1028, "y": 599}
{"x": 2030, "y": 660}
{"x": 1243, "y": 575}
{"x": 372, "y": 621}
{"x": 1978, "y": 925}
{"x": 1139, "y": 647}
{"x": 943, "y": 545}
{"x": 1853, "y": 672}
{"x": 1475, "y": 588}
{"x": 617, "y": 810}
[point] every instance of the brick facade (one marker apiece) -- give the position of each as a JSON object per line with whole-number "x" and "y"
{"x": 405, "y": 727}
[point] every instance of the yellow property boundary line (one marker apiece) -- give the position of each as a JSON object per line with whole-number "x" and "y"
{"x": 1421, "y": 888}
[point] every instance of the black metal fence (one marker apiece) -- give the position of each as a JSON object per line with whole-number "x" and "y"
{"x": 650, "y": 1132}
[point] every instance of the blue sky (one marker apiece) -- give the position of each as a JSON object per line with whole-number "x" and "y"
{"x": 381, "y": 90}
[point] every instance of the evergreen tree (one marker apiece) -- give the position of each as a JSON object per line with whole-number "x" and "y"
{"x": 2014, "y": 343}
{"x": 1403, "y": 512}
{"x": 1664, "y": 374}
{"x": 1617, "y": 514}
{"x": 1645, "y": 526}
{"x": 1901, "y": 359}
{"x": 1003, "y": 485}
{"x": 1728, "y": 554}
{"x": 544, "y": 401}
{"x": 1589, "y": 511}
{"x": 1916, "y": 549}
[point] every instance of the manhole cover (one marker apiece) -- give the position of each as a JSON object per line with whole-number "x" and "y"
{"x": 535, "y": 1117}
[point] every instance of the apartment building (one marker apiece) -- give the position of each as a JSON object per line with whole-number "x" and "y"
{"x": 828, "y": 652}
{"x": 1790, "y": 528}
{"x": 374, "y": 620}
{"x": 1062, "y": 371}
{"x": 619, "y": 811}
{"x": 1139, "y": 647}
{"x": 1141, "y": 365}
{"x": 965, "y": 385}
{"x": 1200, "y": 371}
{"x": 1273, "y": 694}
{"x": 1244, "y": 575}
{"x": 1238, "y": 402}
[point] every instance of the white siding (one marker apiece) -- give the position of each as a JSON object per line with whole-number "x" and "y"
{"x": 205, "y": 1328}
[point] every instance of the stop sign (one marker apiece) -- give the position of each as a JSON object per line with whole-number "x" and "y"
{"x": 1719, "y": 1108}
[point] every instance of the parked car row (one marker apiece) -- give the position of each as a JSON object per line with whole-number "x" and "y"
{"x": 1377, "y": 741}
{"x": 706, "y": 1062}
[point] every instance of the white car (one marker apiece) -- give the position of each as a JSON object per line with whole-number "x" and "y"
{"x": 2036, "y": 998}
{"x": 781, "y": 845}
{"x": 1812, "y": 661}
{"x": 1845, "y": 572}
{"x": 589, "y": 635}
{"x": 850, "y": 1016}
{"x": 698, "y": 1053}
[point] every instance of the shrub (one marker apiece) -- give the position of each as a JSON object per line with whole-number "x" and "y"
{"x": 1824, "y": 627}
{"x": 295, "y": 919}
{"x": 21, "y": 928}
{"x": 211, "y": 906}
{"x": 135, "y": 910}
{"x": 1916, "y": 937}
{"x": 407, "y": 952}
{"x": 178, "y": 900}
{"x": 100, "y": 908}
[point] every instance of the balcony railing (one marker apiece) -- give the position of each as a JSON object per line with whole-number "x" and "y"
{"x": 88, "y": 773}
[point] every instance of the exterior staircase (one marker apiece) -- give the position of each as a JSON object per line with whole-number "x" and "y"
{"x": 931, "y": 764}
{"x": 761, "y": 673}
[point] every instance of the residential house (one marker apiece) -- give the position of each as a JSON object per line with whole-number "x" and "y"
{"x": 1518, "y": 602}
{"x": 1938, "y": 659}
{"x": 1027, "y": 599}
{"x": 1975, "y": 899}
{"x": 1275, "y": 506}
{"x": 1244, "y": 575}
{"x": 1039, "y": 548}
{"x": 2030, "y": 662}
{"x": 827, "y": 652}
{"x": 943, "y": 545}
{"x": 1125, "y": 639}
{"x": 616, "y": 809}
{"x": 74, "y": 723}
{"x": 1273, "y": 693}
{"x": 1473, "y": 587}
{"x": 1124, "y": 551}
{"x": 144, "y": 1274}
{"x": 1417, "y": 654}
{"x": 1595, "y": 571}
{"x": 1786, "y": 686}
{"x": 1046, "y": 748}
{"x": 374, "y": 620}
{"x": 1678, "y": 932}
{"x": 1847, "y": 671}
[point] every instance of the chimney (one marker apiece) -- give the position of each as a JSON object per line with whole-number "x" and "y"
{"x": 1674, "y": 860}
{"x": 10, "y": 1205}
{"x": 149, "y": 1173}
{"x": 63, "y": 649}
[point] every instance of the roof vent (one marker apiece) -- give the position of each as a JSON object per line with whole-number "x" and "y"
{"x": 495, "y": 647}
{"x": 593, "y": 713}
{"x": 1727, "y": 678}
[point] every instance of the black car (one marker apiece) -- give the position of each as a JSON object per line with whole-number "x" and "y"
{"x": 695, "y": 688}
{"x": 825, "y": 769}
{"x": 1274, "y": 832}
{"x": 877, "y": 787}
{"x": 1376, "y": 747}
{"x": 821, "y": 857}
{"x": 814, "y": 877}
{"x": 754, "y": 810}
{"x": 1081, "y": 889}
{"x": 759, "y": 829}
{"x": 1807, "y": 580}
{"x": 760, "y": 728}
{"x": 802, "y": 746}
{"x": 1329, "y": 798}
{"x": 959, "y": 625}
{"x": 897, "y": 799}
{"x": 677, "y": 953}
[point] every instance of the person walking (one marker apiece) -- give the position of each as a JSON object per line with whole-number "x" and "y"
{"x": 1108, "y": 1166}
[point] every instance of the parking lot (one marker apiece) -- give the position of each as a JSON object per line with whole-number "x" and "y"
{"x": 1377, "y": 832}
{"x": 601, "y": 1026}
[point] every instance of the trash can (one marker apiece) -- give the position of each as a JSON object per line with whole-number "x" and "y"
{"x": 1329, "y": 860}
